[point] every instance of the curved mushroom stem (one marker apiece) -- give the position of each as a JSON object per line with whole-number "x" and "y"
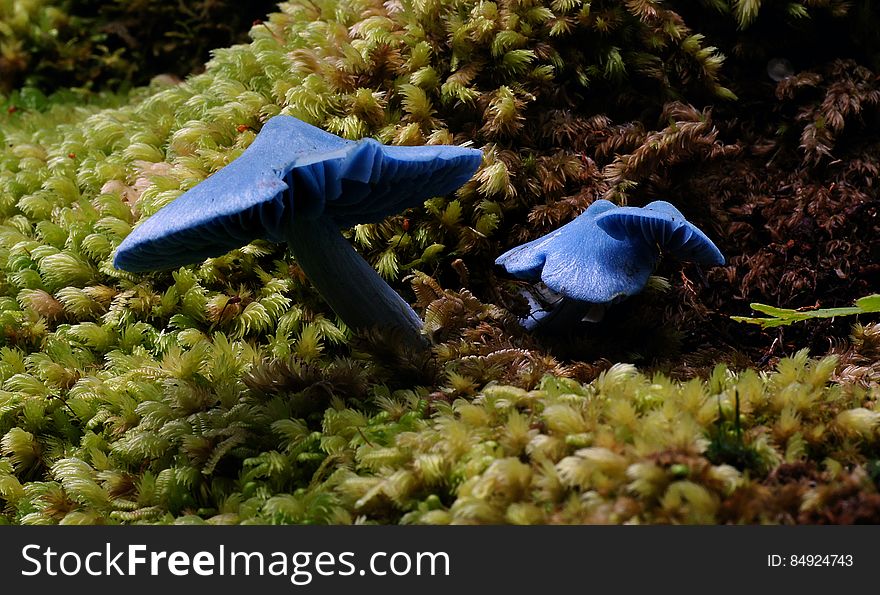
{"x": 552, "y": 313}
{"x": 354, "y": 290}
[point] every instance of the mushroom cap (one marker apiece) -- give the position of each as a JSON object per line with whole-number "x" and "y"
{"x": 661, "y": 224}
{"x": 582, "y": 262}
{"x": 292, "y": 169}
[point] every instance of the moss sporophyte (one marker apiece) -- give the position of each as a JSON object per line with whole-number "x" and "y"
{"x": 298, "y": 184}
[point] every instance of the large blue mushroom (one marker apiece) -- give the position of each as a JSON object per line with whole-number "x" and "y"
{"x": 603, "y": 256}
{"x": 299, "y": 184}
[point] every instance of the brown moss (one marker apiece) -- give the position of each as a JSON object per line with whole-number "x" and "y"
{"x": 793, "y": 207}
{"x": 849, "y": 501}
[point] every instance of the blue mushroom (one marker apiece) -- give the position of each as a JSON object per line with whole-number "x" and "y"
{"x": 603, "y": 256}
{"x": 299, "y": 184}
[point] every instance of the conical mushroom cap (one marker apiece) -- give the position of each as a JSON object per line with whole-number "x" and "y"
{"x": 292, "y": 169}
{"x": 661, "y": 224}
{"x": 582, "y": 262}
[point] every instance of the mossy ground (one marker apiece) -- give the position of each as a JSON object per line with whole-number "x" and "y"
{"x": 228, "y": 393}
{"x": 57, "y": 44}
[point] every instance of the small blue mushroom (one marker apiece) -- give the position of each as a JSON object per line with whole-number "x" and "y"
{"x": 298, "y": 184}
{"x": 603, "y": 256}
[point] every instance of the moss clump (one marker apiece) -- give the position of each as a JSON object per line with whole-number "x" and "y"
{"x": 625, "y": 448}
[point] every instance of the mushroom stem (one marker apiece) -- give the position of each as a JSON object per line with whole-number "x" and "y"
{"x": 555, "y": 314}
{"x": 355, "y": 291}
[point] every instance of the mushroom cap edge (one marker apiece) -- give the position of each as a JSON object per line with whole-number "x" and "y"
{"x": 660, "y": 223}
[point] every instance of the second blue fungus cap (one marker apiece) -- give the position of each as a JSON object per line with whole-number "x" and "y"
{"x": 608, "y": 252}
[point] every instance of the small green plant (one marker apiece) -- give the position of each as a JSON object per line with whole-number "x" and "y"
{"x": 870, "y": 304}
{"x": 726, "y": 440}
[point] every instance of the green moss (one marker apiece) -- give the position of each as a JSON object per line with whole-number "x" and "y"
{"x": 623, "y": 448}
{"x": 53, "y": 44}
{"x": 228, "y": 393}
